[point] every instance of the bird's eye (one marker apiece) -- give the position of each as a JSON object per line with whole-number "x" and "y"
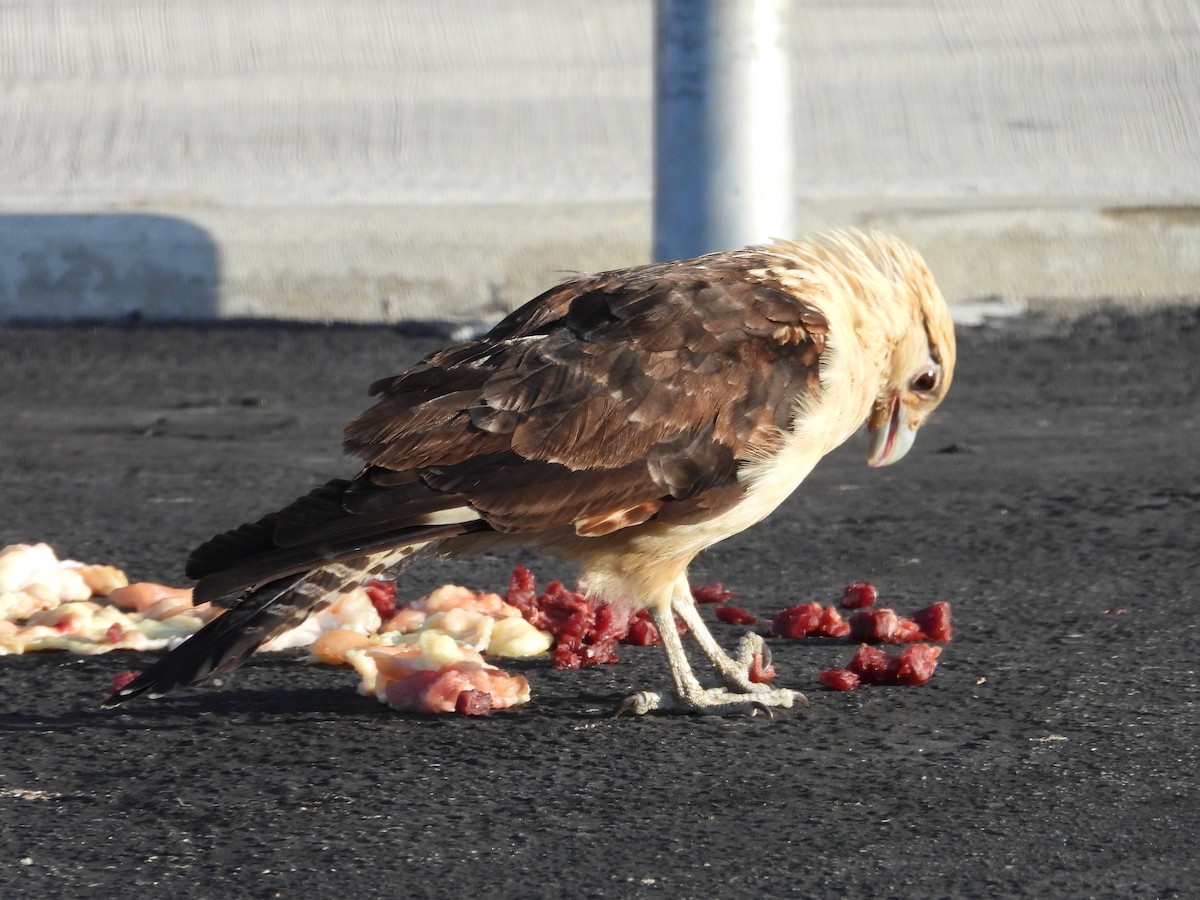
{"x": 927, "y": 381}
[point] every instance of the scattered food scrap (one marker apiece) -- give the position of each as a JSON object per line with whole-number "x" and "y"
{"x": 809, "y": 619}
{"x": 859, "y": 594}
{"x": 839, "y": 679}
{"x": 52, "y": 604}
{"x": 912, "y": 666}
{"x": 33, "y": 578}
{"x": 585, "y": 633}
{"x": 711, "y": 593}
{"x": 884, "y": 626}
{"x": 427, "y": 655}
{"x": 734, "y": 615}
{"x": 436, "y": 674}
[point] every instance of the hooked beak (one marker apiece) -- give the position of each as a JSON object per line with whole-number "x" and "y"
{"x": 891, "y": 435}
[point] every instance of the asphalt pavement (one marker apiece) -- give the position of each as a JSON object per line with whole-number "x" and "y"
{"x": 1052, "y": 501}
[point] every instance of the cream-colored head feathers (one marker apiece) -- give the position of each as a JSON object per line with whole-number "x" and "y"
{"x": 879, "y": 296}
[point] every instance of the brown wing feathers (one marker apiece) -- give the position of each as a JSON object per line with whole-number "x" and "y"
{"x": 602, "y": 403}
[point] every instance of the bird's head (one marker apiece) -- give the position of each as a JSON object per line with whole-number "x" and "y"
{"x": 921, "y": 368}
{"x": 877, "y": 288}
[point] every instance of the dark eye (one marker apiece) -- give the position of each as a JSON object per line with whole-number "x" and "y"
{"x": 926, "y": 382}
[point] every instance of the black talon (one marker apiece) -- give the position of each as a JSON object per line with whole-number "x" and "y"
{"x": 756, "y": 707}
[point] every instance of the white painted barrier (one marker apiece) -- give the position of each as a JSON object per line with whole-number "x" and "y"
{"x": 359, "y": 160}
{"x": 723, "y": 144}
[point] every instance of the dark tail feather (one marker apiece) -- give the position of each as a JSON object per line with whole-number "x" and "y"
{"x": 221, "y": 645}
{"x": 276, "y": 564}
{"x": 225, "y": 642}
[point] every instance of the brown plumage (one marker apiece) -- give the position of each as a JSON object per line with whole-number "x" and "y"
{"x": 625, "y": 420}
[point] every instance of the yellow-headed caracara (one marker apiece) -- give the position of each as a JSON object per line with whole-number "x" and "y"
{"x": 625, "y": 421}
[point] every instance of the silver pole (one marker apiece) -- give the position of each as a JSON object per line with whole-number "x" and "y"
{"x": 722, "y": 125}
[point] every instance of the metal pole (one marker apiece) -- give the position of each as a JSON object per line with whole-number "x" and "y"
{"x": 722, "y": 125}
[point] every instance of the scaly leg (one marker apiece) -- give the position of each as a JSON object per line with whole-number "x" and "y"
{"x": 690, "y": 695}
{"x": 734, "y": 672}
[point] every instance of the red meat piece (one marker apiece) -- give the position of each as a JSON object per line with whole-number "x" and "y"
{"x": 642, "y": 632}
{"x": 383, "y": 598}
{"x": 565, "y": 611}
{"x": 935, "y": 622}
{"x": 522, "y": 593}
{"x": 907, "y": 631}
{"x": 797, "y": 621}
{"x": 612, "y": 624}
{"x": 859, "y": 594}
{"x": 734, "y": 615}
{"x": 585, "y": 632}
{"x": 711, "y": 593}
{"x": 596, "y": 643}
{"x": 874, "y": 666}
{"x": 809, "y": 618}
{"x": 570, "y": 618}
{"x": 916, "y": 663}
{"x": 832, "y": 624}
{"x": 874, "y": 626}
{"x": 839, "y": 679}
{"x": 473, "y": 703}
{"x": 883, "y": 626}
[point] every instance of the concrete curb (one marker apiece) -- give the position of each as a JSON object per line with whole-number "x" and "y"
{"x": 474, "y": 263}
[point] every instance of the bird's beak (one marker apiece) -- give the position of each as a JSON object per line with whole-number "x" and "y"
{"x": 891, "y": 434}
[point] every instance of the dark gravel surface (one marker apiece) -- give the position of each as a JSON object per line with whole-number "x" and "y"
{"x": 1054, "y": 501}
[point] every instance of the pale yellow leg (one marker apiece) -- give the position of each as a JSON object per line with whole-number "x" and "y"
{"x": 742, "y": 696}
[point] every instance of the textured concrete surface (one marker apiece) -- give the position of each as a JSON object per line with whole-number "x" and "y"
{"x": 371, "y": 161}
{"x": 1052, "y": 500}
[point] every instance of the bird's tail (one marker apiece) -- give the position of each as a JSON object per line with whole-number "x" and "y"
{"x": 262, "y": 613}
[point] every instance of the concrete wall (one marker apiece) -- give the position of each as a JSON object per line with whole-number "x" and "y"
{"x": 378, "y": 161}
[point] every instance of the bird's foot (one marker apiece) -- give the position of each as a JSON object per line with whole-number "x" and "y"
{"x": 712, "y": 701}
{"x": 745, "y": 673}
{"x": 744, "y": 692}
{"x": 750, "y": 669}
